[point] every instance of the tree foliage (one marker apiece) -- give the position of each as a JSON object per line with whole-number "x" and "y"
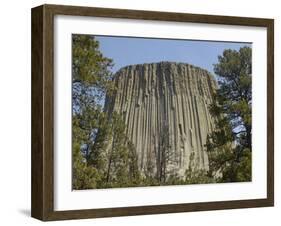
{"x": 121, "y": 160}
{"x": 229, "y": 146}
{"x": 102, "y": 155}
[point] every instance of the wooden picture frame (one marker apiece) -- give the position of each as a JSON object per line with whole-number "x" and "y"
{"x": 42, "y": 203}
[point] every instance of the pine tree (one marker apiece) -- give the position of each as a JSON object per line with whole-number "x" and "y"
{"x": 229, "y": 146}
{"x": 91, "y": 78}
{"x": 121, "y": 169}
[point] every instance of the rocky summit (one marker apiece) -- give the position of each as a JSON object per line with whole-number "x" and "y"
{"x": 165, "y": 107}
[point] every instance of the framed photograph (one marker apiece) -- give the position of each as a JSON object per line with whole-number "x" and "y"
{"x": 142, "y": 112}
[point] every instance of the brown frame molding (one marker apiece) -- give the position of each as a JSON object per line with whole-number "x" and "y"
{"x": 42, "y": 200}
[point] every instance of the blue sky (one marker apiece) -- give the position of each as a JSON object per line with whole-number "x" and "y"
{"x": 125, "y": 51}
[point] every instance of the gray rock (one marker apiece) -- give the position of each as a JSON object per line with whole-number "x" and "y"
{"x": 165, "y": 109}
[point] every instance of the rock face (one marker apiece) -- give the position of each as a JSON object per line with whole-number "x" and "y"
{"x": 165, "y": 108}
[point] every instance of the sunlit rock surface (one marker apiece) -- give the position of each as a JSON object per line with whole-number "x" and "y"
{"x": 165, "y": 107}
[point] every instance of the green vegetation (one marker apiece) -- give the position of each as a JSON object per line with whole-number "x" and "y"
{"x": 102, "y": 155}
{"x": 229, "y": 146}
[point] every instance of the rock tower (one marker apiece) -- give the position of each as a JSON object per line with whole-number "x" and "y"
{"x": 165, "y": 108}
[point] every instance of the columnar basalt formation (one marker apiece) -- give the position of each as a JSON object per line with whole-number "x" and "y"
{"x": 165, "y": 108}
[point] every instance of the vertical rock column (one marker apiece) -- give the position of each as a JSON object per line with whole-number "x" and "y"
{"x": 165, "y": 102}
